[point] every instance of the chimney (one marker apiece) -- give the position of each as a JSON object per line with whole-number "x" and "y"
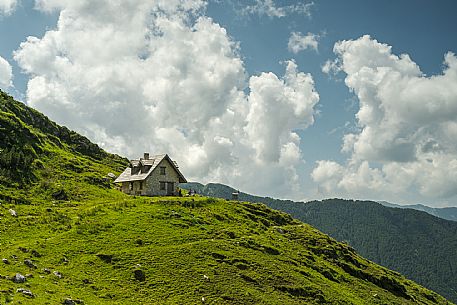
{"x": 235, "y": 195}
{"x": 146, "y": 156}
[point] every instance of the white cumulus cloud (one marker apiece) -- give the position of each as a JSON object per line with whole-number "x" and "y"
{"x": 6, "y": 74}
{"x": 7, "y": 6}
{"x": 299, "y": 42}
{"x": 407, "y": 126}
{"x": 160, "y": 76}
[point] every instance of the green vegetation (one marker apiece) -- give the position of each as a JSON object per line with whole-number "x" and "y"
{"x": 188, "y": 249}
{"x": 449, "y": 213}
{"x": 418, "y": 245}
{"x": 42, "y": 160}
{"x": 68, "y": 237}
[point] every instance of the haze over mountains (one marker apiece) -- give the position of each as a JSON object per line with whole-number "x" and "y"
{"x": 421, "y": 246}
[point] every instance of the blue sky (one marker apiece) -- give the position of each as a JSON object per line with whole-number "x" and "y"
{"x": 422, "y": 29}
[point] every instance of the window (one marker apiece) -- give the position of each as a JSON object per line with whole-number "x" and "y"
{"x": 141, "y": 185}
{"x": 131, "y": 186}
{"x": 162, "y": 170}
{"x": 162, "y": 185}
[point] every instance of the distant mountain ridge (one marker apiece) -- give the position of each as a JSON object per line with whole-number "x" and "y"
{"x": 224, "y": 191}
{"x": 449, "y": 213}
{"x": 421, "y": 246}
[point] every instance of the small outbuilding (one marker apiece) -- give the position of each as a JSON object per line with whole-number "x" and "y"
{"x": 151, "y": 176}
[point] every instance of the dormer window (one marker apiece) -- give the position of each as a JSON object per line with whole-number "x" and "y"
{"x": 135, "y": 170}
{"x": 162, "y": 170}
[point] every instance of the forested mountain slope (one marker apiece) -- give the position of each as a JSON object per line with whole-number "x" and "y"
{"x": 449, "y": 213}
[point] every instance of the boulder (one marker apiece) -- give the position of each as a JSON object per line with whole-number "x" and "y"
{"x": 69, "y": 301}
{"x": 18, "y": 278}
{"x": 107, "y": 258}
{"x": 29, "y": 263}
{"x": 26, "y": 292}
{"x": 58, "y": 274}
{"x": 280, "y": 231}
{"x": 36, "y": 253}
{"x": 139, "y": 275}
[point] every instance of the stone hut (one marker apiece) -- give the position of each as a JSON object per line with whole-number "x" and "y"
{"x": 151, "y": 176}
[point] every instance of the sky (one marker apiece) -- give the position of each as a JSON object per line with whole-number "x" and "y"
{"x": 289, "y": 99}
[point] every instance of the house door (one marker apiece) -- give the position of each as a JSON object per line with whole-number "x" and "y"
{"x": 170, "y": 188}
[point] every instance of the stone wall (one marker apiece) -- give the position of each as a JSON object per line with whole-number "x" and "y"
{"x": 136, "y": 188}
{"x": 152, "y": 183}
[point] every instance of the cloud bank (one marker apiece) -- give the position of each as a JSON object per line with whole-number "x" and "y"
{"x": 6, "y": 74}
{"x": 407, "y": 126}
{"x": 160, "y": 76}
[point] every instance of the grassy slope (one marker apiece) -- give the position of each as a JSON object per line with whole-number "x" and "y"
{"x": 240, "y": 247}
{"x": 60, "y": 163}
{"x": 418, "y": 245}
{"x": 96, "y": 237}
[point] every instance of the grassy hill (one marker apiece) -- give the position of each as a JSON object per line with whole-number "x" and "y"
{"x": 189, "y": 250}
{"x": 44, "y": 161}
{"x": 68, "y": 237}
{"x": 414, "y": 243}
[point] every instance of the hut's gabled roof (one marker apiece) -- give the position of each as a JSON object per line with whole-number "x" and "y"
{"x": 152, "y": 163}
